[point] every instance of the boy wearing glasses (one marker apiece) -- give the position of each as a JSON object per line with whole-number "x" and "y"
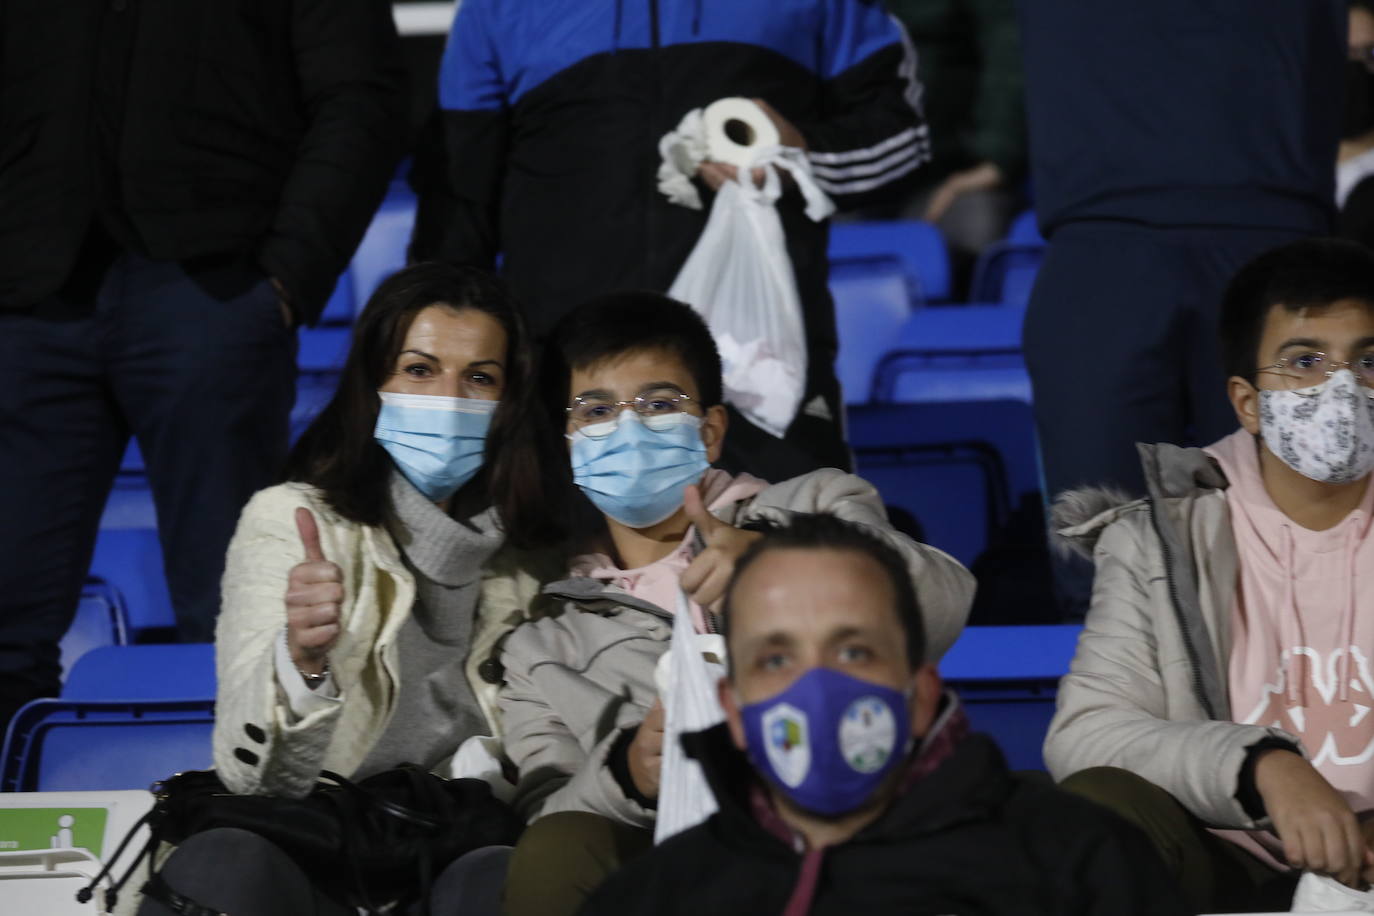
{"x": 1224, "y": 677}
{"x": 634, "y": 383}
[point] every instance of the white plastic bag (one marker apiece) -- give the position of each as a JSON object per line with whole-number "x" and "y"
{"x": 687, "y": 686}
{"x": 740, "y": 279}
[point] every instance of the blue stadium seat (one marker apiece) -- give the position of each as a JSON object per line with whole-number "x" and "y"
{"x": 915, "y": 248}
{"x": 948, "y": 353}
{"x": 339, "y": 309}
{"x": 313, "y": 392}
{"x": 1008, "y": 678}
{"x": 383, "y": 249}
{"x": 871, "y": 306}
{"x": 1005, "y": 272}
{"x": 175, "y": 671}
{"x": 940, "y": 465}
{"x": 128, "y": 716}
{"x": 130, "y": 560}
{"x": 132, "y": 462}
{"x": 323, "y": 348}
{"x": 1025, "y": 229}
{"x": 101, "y": 620}
{"x": 73, "y": 745}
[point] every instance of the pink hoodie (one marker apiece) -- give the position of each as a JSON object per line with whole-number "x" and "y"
{"x": 1302, "y": 625}
{"x": 658, "y": 582}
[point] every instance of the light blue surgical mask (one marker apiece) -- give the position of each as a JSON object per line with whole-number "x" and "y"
{"x": 637, "y": 472}
{"x": 436, "y": 442}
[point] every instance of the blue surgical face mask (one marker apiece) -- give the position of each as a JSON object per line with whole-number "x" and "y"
{"x": 828, "y": 741}
{"x": 638, "y": 473}
{"x": 436, "y": 442}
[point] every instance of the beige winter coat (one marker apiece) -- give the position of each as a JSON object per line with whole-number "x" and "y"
{"x": 260, "y": 747}
{"x": 1147, "y": 690}
{"x": 575, "y": 681}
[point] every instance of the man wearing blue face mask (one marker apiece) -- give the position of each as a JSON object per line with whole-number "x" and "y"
{"x": 633, "y": 381}
{"x": 846, "y": 778}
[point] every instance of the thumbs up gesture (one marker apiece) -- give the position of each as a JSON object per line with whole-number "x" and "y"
{"x": 314, "y": 594}
{"x": 705, "y": 580}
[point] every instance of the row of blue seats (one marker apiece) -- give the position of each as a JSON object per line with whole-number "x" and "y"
{"x": 130, "y": 715}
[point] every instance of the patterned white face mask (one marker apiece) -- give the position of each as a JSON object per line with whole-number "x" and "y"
{"x": 1325, "y": 432}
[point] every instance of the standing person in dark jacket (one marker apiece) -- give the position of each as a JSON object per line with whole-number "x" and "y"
{"x": 847, "y": 780}
{"x": 1170, "y": 143}
{"x": 552, "y": 112}
{"x": 182, "y": 184}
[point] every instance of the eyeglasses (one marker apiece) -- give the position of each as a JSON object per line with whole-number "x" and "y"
{"x": 1308, "y": 370}
{"x": 653, "y": 407}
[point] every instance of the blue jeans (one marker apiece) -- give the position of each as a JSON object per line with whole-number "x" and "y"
{"x": 194, "y": 360}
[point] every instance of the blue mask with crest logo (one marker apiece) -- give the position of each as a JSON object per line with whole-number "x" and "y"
{"x": 828, "y": 741}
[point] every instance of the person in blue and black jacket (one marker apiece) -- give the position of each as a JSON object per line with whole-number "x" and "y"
{"x": 546, "y": 147}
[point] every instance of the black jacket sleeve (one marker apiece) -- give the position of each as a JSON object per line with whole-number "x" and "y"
{"x": 352, "y": 86}
{"x": 869, "y": 133}
{"x": 461, "y": 161}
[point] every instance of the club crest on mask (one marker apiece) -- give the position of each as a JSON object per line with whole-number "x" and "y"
{"x": 787, "y": 743}
{"x": 868, "y": 734}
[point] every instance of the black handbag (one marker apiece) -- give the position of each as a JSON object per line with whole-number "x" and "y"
{"x": 367, "y": 844}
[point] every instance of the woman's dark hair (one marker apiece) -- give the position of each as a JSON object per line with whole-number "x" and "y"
{"x": 338, "y": 453}
{"x": 1309, "y": 274}
{"x": 603, "y": 329}
{"x": 818, "y": 531}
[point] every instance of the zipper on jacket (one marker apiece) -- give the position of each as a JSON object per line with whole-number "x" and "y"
{"x": 1183, "y": 623}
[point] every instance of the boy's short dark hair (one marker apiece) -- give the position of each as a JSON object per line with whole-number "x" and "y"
{"x": 613, "y": 325}
{"x": 807, "y": 531}
{"x": 1310, "y": 274}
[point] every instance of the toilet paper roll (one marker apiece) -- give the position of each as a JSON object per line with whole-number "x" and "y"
{"x": 736, "y": 129}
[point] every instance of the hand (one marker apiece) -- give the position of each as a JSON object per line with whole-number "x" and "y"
{"x": 646, "y": 752}
{"x": 288, "y": 317}
{"x": 716, "y": 174}
{"x": 1367, "y": 832}
{"x": 314, "y": 594}
{"x": 1317, "y": 827}
{"x": 706, "y": 579}
{"x": 982, "y": 177}
{"x": 788, "y": 135}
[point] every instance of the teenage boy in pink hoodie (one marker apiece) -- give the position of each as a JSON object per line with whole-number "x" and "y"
{"x": 1221, "y": 694}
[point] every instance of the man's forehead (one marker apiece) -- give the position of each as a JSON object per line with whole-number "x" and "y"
{"x": 809, "y": 589}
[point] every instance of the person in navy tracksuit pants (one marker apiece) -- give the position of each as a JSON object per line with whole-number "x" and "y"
{"x": 1171, "y": 142}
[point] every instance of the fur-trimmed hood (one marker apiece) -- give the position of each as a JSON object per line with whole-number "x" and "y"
{"x": 1078, "y": 517}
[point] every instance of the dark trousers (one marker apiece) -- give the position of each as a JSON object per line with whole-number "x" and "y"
{"x": 195, "y": 361}
{"x": 1121, "y": 345}
{"x": 235, "y": 871}
{"x": 562, "y": 858}
{"x": 1216, "y": 876}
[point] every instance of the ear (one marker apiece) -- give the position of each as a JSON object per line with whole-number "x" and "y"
{"x": 925, "y": 700}
{"x": 1245, "y": 401}
{"x": 713, "y": 426}
{"x": 725, "y": 691}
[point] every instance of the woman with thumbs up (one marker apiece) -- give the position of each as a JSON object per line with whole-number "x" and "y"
{"x": 351, "y": 634}
{"x": 360, "y": 595}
